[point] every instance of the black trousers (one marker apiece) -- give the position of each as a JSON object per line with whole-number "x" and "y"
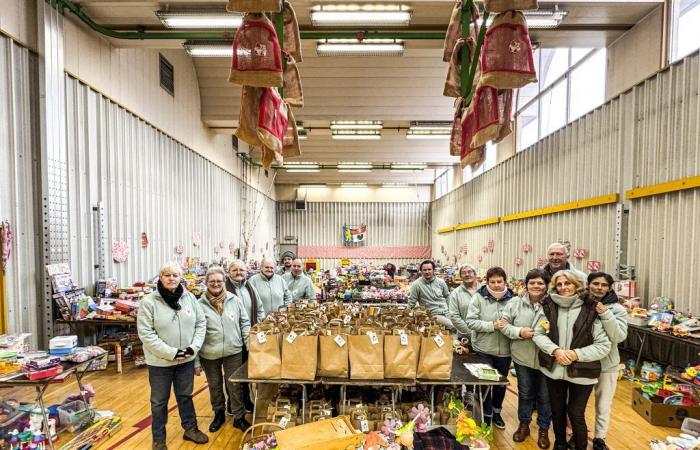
{"x": 569, "y": 400}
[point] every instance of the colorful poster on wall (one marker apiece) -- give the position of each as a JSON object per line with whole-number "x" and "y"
{"x": 354, "y": 234}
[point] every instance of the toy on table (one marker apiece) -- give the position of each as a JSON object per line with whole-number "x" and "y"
{"x": 651, "y": 372}
{"x": 660, "y": 321}
{"x": 661, "y": 304}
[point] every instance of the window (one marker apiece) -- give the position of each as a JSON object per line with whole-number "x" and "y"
{"x": 685, "y": 36}
{"x": 443, "y": 183}
{"x": 571, "y": 82}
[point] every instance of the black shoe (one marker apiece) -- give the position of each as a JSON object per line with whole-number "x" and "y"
{"x": 195, "y": 436}
{"x": 599, "y": 444}
{"x": 218, "y": 422}
{"x": 498, "y": 421}
{"x": 241, "y": 423}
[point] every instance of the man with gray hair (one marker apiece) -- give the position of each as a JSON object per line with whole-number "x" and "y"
{"x": 558, "y": 259}
{"x": 460, "y": 299}
{"x": 298, "y": 283}
{"x": 271, "y": 288}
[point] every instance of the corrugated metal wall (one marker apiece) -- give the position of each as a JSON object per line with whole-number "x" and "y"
{"x": 663, "y": 242}
{"x": 649, "y": 135}
{"x": 146, "y": 182}
{"x": 19, "y": 142}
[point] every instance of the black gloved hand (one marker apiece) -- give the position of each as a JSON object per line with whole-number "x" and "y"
{"x": 181, "y": 354}
{"x": 189, "y": 351}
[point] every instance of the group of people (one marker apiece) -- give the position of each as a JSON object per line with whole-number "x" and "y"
{"x": 184, "y": 336}
{"x": 561, "y": 335}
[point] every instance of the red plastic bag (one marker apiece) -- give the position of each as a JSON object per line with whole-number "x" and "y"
{"x": 272, "y": 120}
{"x": 506, "y": 57}
{"x": 257, "y": 57}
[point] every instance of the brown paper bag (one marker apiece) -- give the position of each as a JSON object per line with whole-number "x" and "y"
{"x": 332, "y": 357}
{"x": 401, "y": 360}
{"x": 264, "y": 361}
{"x": 366, "y": 358}
{"x": 435, "y": 361}
{"x": 299, "y": 356}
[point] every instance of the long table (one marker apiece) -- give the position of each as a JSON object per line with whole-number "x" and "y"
{"x": 662, "y": 347}
{"x": 459, "y": 376}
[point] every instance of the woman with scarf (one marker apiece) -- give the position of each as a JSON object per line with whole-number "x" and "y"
{"x": 221, "y": 354}
{"x": 171, "y": 326}
{"x": 532, "y": 388}
{"x": 572, "y": 343}
{"x": 613, "y": 317}
{"x": 485, "y": 320}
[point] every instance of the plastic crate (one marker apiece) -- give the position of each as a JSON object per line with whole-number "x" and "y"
{"x": 73, "y": 413}
{"x": 691, "y": 426}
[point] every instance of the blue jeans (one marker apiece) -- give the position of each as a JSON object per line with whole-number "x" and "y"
{"x": 494, "y": 400}
{"x": 532, "y": 389}
{"x": 181, "y": 378}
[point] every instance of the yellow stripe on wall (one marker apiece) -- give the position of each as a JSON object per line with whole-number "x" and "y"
{"x": 479, "y": 223}
{"x": 445, "y": 230}
{"x": 664, "y": 188}
{"x": 581, "y": 204}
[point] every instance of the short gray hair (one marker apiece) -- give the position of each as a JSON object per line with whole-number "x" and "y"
{"x": 214, "y": 270}
{"x": 236, "y": 262}
{"x": 466, "y": 266}
{"x": 558, "y": 244}
{"x": 170, "y": 267}
{"x": 268, "y": 259}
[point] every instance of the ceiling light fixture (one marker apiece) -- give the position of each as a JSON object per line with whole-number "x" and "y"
{"x": 209, "y": 49}
{"x": 427, "y": 135}
{"x": 194, "y": 19}
{"x": 361, "y": 15}
{"x": 354, "y": 47}
{"x": 408, "y": 167}
{"x": 356, "y": 135}
{"x": 431, "y": 126}
{"x": 356, "y": 125}
{"x": 313, "y": 185}
{"x": 354, "y": 167}
{"x": 353, "y": 185}
{"x": 301, "y": 167}
{"x": 540, "y": 18}
{"x": 395, "y": 185}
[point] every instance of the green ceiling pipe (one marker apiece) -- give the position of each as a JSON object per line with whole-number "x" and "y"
{"x": 475, "y": 59}
{"x": 61, "y": 5}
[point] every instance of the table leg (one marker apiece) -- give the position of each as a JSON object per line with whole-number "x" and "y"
{"x": 303, "y": 403}
{"x": 79, "y": 379}
{"x": 432, "y": 403}
{"x": 45, "y": 418}
{"x": 255, "y": 402}
{"x": 639, "y": 354}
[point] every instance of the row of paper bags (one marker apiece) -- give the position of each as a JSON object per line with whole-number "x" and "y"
{"x": 369, "y": 354}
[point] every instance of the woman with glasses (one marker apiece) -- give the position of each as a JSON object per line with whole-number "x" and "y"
{"x": 171, "y": 326}
{"x": 221, "y": 354}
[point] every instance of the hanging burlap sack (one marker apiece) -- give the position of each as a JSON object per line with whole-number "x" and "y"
{"x": 257, "y": 57}
{"x": 264, "y": 359}
{"x": 291, "y": 147}
{"x": 299, "y": 355}
{"x": 506, "y": 57}
{"x": 292, "y": 39}
{"x": 401, "y": 354}
{"x": 366, "y": 354}
{"x": 456, "y": 136}
{"x": 248, "y": 117}
{"x": 254, "y": 6}
{"x": 436, "y": 353}
{"x": 469, "y": 155}
{"x": 454, "y": 29}
{"x": 293, "y": 92}
{"x": 453, "y": 83}
{"x": 333, "y": 351}
{"x": 272, "y": 120}
{"x": 499, "y": 6}
{"x": 492, "y": 110}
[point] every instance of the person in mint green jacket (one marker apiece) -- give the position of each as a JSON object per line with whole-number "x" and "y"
{"x": 460, "y": 299}
{"x": 520, "y": 313}
{"x": 271, "y": 288}
{"x": 485, "y": 320}
{"x": 171, "y": 326}
{"x": 572, "y": 343}
{"x": 298, "y": 283}
{"x": 221, "y": 354}
{"x": 613, "y": 316}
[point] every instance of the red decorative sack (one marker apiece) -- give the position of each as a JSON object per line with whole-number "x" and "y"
{"x": 257, "y": 58}
{"x": 293, "y": 93}
{"x": 468, "y": 155}
{"x": 492, "y": 115}
{"x": 292, "y": 39}
{"x": 453, "y": 84}
{"x": 454, "y": 29}
{"x": 456, "y": 136}
{"x": 499, "y": 6}
{"x": 272, "y": 120}
{"x": 506, "y": 57}
{"x": 254, "y": 6}
{"x": 291, "y": 146}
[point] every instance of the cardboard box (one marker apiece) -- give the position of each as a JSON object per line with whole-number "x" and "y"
{"x": 656, "y": 413}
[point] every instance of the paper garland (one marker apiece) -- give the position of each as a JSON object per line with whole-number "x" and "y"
{"x": 179, "y": 249}
{"x": 580, "y": 253}
{"x": 594, "y": 266}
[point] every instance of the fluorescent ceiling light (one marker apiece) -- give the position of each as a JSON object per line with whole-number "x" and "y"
{"x": 356, "y": 135}
{"x": 356, "y": 125}
{"x": 301, "y": 167}
{"x": 302, "y": 170}
{"x": 209, "y": 49}
{"x": 313, "y": 185}
{"x": 540, "y": 18}
{"x": 431, "y": 126}
{"x": 361, "y": 15}
{"x": 427, "y": 135}
{"x": 354, "y": 167}
{"x": 353, "y": 47}
{"x": 212, "y": 18}
{"x": 395, "y": 185}
{"x": 353, "y": 185}
{"x": 411, "y": 167}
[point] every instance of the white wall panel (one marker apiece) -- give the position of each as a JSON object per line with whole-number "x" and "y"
{"x": 19, "y": 197}
{"x": 147, "y": 182}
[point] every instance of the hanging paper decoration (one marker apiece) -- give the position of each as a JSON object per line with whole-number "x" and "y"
{"x": 518, "y": 261}
{"x": 490, "y": 245}
{"x": 221, "y": 245}
{"x": 232, "y": 248}
{"x": 5, "y": 244}
{"x": 464, "y": 248}
{"x": 196, "y": 238}
{"x": 144, "y": 240}
{"x": 541, "y": 262}
{"x": 485, "y": 249}
{"x": 179, "y": 249}
{"x": 594, "y": 266}
{"x": 217, "y": 250}
{"x": 120, "y": 251}
{"x": 580, "y": 253}
{"x": 480, "y": 258}
{"x": 527, "y": 248}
